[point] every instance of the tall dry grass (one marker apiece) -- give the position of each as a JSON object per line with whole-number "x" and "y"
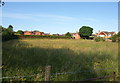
{"x": 30, "y": 56}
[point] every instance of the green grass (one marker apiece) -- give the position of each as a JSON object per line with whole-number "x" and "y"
{"x": 30, "y": 56}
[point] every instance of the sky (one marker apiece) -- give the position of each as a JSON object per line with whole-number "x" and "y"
{"x": 60, "y": 17}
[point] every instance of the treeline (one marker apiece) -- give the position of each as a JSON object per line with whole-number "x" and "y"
{"x": 43, "y": 37}
{"x": 7, "y": 33}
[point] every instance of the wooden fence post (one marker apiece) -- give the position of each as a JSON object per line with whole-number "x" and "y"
{"x": 47, "y": 72}
{"x": 114, "y": 76}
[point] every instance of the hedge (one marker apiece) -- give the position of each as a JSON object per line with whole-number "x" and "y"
{"x": 43, "y": 37}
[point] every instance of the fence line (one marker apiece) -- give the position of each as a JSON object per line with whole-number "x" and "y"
{"x": 47, "y": 77}
{"x": 102, "y": 77}
{"x": 81, "y": 71}
{"x": 89, "y": 79}
{"x": 17, "y": 77}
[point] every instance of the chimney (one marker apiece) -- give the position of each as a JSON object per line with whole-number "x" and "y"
{"x": 98, "y": 31}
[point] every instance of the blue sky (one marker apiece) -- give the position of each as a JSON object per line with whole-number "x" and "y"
{"x": 60, "y": 17}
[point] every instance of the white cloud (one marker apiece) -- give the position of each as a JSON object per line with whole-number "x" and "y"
{"x": 39, "y": 17}
{"x": 90, "y": 19}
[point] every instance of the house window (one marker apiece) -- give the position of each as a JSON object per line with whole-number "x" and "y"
{"x": 109, "y": 34}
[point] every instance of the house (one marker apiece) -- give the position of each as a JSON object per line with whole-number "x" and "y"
{"x": 56, "y": 34}
{"x": 105, "y": 34}
{"x": 28, "y": 33}
{"x": 33, "y": 33}
{"x": 75, "y": 35}
{"x": 37, "y": 33}
{"x": 42, "y": 33}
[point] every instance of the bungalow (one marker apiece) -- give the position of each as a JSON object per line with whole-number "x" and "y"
{"x": 105, "y": 34}
{"x": 28, "y": 33}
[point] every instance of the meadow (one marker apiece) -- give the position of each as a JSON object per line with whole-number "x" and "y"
{"x": 30, "y": 56}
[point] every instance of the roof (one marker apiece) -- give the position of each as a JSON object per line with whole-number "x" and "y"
{"x": 105, "y": 33}
{"x": 28, "y": 31}
{"x": 72, "y": 33}
{"x": 108, "y": 32}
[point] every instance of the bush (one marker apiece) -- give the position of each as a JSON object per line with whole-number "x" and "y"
{"x": 118, "y": 39}
{"x": 103, "y": 39}
{"x": 113, "y": 39}
{"x": 98, "y": 39}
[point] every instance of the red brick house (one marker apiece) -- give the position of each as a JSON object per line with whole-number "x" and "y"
{"x": 28, "y": 33}
{"x": 33, "y": 33}
{"x": 42, "y": 33}
{"x": 37, "y": 33}
{"x": 75, "y": 35}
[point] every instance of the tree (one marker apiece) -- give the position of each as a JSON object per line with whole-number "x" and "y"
{"x": 7, "y": 33}
{"x": 20, "y": 32}
{"x": 10, "y": 28}
{"x": 67, "y": 34}
{"x": 85, "y": 31}
{"x": 118, "y": 34}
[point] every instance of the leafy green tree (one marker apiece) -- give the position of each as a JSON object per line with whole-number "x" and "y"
{"x": 7, "y": 33}
{"x": 118, "y": 34}
{"x": 67, "y": 34}
{"x": 20, "y": 32}
{"x": 85, "y": 31}
{"x": 10, "y": 28}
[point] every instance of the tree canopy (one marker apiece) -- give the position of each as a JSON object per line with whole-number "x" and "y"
{"x": 10, "y": 28}
{"x": 68, "y": 34}
{"x": 85, "y": 31}
{"x": 7, "y": 33}
{"x": 20, "y": 32}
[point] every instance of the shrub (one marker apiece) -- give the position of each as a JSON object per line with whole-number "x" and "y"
{"x": 113, "y": 39}
{"x": 118, "y": 39}
{"x": 103, "y": 39}
{"x": 98, "y": 39}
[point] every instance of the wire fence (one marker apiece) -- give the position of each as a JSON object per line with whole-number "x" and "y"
{"x": 17, "y": 77}
{"x": 83, "y": 71}
{"x": 102, "y": 77}
{"x": 48, "y": 74}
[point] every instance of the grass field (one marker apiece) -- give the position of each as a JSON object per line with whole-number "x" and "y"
{"x": 30, "y": 56}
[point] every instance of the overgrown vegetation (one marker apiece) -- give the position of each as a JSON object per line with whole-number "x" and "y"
{"x": 116, "y": 37}
{"x": 7, "y": 33}
{"x": 30, "y": 56}
{"x": 98, "y": 39}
